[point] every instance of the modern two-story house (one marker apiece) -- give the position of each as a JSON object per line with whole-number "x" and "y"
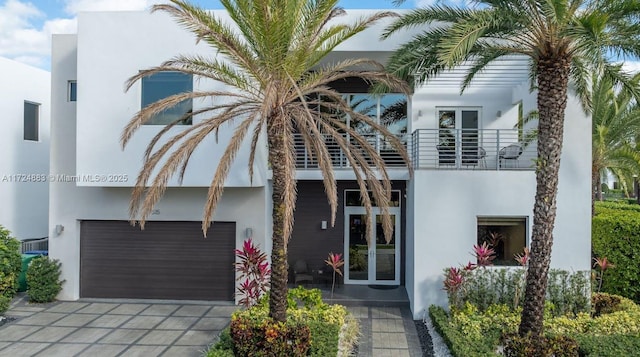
{"x": 473, "y": 175}
{"x": 24, "y": 147}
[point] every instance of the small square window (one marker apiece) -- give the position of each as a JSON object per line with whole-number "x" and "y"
{"x": 72, "y": 91}
{"x": 31, "y": 121}
{"x": 506, "y": 235}
{"x": 161, "y": 85}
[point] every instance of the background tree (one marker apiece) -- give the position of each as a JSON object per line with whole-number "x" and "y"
{"x": 272, "y": 61}
{"x": 565, "y": 40}
{"x": 616, "y": 127}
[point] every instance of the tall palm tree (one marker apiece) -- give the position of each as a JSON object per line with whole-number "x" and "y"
{"x": 616, "y": 126}
{"x": 565, "y": 40}
{"x": 272, "y": 61}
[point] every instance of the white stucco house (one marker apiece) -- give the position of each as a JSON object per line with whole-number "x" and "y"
{"x": 473, "y": 175}
{"x": 24, "y": 147}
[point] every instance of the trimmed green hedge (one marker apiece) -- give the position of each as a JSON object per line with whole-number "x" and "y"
{"x": 616, "y": 236}
{"x": 10, "y": 266}
{"x": 604, "y": 205}
{"x": 458, "y": 341}
{"x": 608, "y": 346}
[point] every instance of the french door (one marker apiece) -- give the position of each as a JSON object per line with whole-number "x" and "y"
{"x": 378, "y": 263}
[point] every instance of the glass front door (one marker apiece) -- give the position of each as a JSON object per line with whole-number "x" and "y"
{"x": 375, "y": 264}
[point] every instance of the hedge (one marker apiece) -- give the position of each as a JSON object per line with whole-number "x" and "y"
{"x": 616, "y": 236}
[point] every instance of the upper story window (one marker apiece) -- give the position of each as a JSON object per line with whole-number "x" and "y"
{"x": 165, "y": 84}
{"x": 31, "y": 121}
{"x": 72, "y": 91}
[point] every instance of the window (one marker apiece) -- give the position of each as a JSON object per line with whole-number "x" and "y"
{"x": 352, "y": 198}
{"x": 506, "y": 235}
{"x": 165, "y": 84}
{"x": 31, "y": 121}
{"x": 72, "y": 91}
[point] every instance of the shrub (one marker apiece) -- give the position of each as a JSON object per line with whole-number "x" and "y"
{"x": 608, "y": 346}
{"x": 546, "y": 346}
{"x": 253, "y": 268}
{"x": 603, "y": 206}
{"x": 602, "y": 303}
{"x": 43, "y": 279}
{"x": 266, "y": 337}
{"x": 10, "y": 266}
{"x": 567, "y": 292}
{"x": 459, "y": 343}
{"x": 305, "y": 311}
{"x": 616, "y": 235}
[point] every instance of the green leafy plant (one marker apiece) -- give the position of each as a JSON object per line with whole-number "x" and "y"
{"x": 305, "y": 310}
{"x": 43, "y": 279}
{"x": 616, "y": 235}
{"x": 335, "y": 262}
{"x": 10, "y": 266}
{"x": 266, "y": 337}
{"x": 253, "y": 268}
{"x": 546, "y": 346}
{"x": 602, "y": 303}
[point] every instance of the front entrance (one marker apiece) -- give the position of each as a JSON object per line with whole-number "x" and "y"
{"x": 376, "y": 264}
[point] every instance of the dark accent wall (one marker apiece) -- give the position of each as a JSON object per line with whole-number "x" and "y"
{"x": 311, "y": 243}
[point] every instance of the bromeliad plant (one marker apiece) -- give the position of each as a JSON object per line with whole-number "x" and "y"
{"x": 484, "y": 254}
{"x": 602, "y": 264}
{"x": 254, "y": 271}
{"x": 335, "y": 262}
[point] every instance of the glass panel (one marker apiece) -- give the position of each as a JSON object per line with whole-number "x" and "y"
{"x": 366, "y": 105}
{"x": 385, "y": 252}
{"x": 358, "y": 249}
{"x": 31, "y": 125}
{"x": 393, "y": 115}
{"x": 352, "y": 199}
{"x": 447, "y": 137}
{"x": 73, "y": 91}
{"x": 165, "y": 84}
{"x": 470, "y": 147}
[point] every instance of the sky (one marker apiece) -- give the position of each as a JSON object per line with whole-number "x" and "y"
{"x": 26, "y": 26}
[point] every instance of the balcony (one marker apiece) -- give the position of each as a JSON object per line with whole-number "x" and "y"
{"x": 441, "y": 149}
{"x": 472, "y": 149}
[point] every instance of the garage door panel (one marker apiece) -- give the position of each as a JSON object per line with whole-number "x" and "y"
{"x": 168, "y": 260}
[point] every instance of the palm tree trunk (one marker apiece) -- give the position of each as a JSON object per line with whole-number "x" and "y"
{"x": 553, "y": 75}
{"x": 279, "y": 265}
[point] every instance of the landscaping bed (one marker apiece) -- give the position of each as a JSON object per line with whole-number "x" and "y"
{"x": 313, "y": 328}
{"x": 611, "y": 329}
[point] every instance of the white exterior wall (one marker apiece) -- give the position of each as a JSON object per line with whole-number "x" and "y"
{"x": 71, "y": 203}
{"x": 447, "y": 202}
{"x": 24, "y": 203}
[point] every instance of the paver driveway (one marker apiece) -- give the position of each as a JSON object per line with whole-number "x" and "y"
{"x": 99, "y": 329}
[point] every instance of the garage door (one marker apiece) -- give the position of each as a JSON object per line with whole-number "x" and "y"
{"x": 167, "y": 260}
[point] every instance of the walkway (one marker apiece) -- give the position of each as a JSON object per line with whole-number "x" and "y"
{"x": 140, "y": 328}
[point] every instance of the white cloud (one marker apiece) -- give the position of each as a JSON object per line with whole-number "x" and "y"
{"x": 22, "y": 41}
{"x": 632, "y": 66}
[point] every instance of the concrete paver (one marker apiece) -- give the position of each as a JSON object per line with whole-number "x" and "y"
{"x": 144, "y": 351}
{"x": 87, "y": 335}
{"x": 62, "y": 350}
{"x": 126, "y": 337}
{"x": 103, "y": 351}
{"x": 49, "y": 334}
{"x": 23, "y": 349}
{"x": 75, "y": 320}
{"x": 164, "y": 338}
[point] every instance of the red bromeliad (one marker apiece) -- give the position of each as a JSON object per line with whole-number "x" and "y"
{"x": 334, "y": 261}
{"x": 484, "y": 254}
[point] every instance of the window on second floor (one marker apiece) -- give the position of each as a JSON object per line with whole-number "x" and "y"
{"x": 165, "y": 84}
{"x": 31, "y": 121}
{"x": 72, "y": 91}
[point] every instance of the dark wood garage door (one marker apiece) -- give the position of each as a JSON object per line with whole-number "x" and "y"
{"x": 167, "y": 260}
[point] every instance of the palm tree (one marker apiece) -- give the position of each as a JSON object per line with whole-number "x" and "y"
{"x": 616, "y": 125}
{"x": 565, "y": 40}
{"x": 273, "y": 63}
